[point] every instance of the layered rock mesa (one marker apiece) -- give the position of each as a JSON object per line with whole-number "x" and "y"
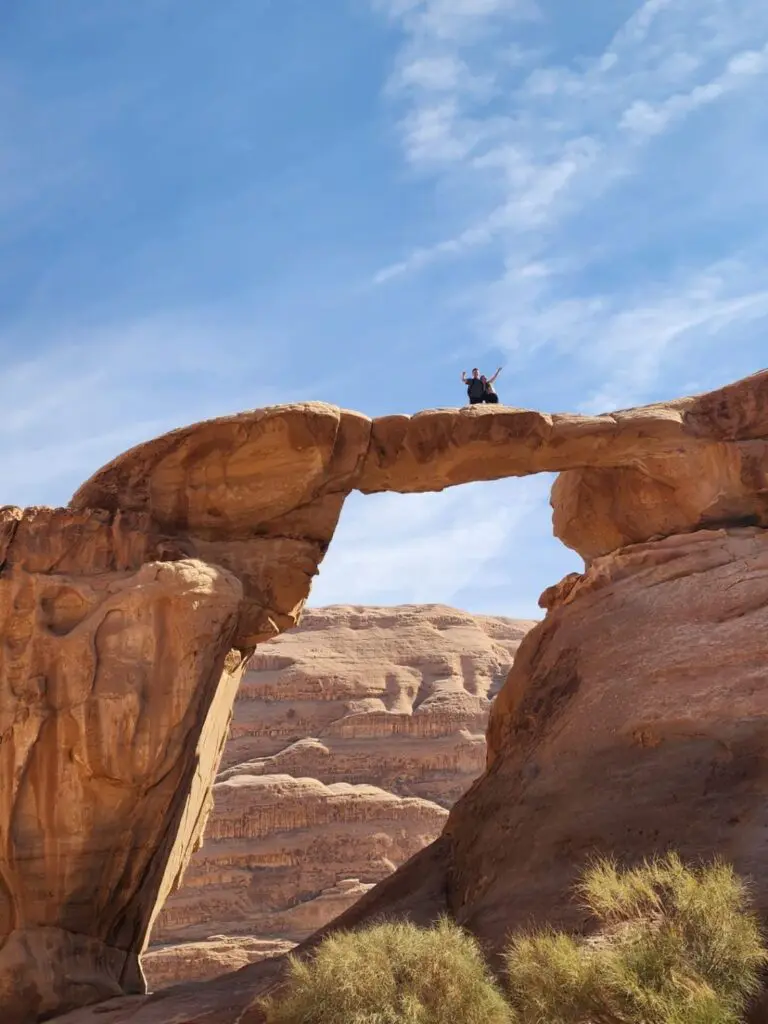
{"x": 283, "y": 857}
{"x": 391, "y": 697}
{"x": 350, "y": 735}
{"x": 230, "y": 519}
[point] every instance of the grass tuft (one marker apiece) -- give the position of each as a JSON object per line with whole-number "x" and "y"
{"x": 677, "y": 946}
{"x": 392, "y": 974}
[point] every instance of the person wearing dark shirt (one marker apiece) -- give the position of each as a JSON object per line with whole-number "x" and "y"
{"x": 480, "y": 389}
{"x": 475, "y": 387}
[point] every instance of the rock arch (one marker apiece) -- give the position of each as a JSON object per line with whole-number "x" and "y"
{"x": 126, "y": 619}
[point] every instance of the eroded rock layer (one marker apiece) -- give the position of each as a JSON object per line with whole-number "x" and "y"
{"x": 167, "y": 964}
{"x": 350, "y": 734}
{"x": 280, "y": 855}
{"x": 117, "y": 685}
{"x": 393, "y": 697}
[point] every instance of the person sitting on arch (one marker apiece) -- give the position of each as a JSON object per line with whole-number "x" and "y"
{"x": 490, "y": 394}
{"x": 480, "y": 389}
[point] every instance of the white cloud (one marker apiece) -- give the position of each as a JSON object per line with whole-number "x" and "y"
{"x": 441, "y": 73}
{"x": 650, "y": 119}
{"x": 447, "y": 547}
{"x": 436, "y": 73}
{"x": 430, "y": 134}
{"x": 97, "y": 392}
{"x": 454, "y": 20}
{"x": 619, "y": 344}
{"x": 548, "y": 148}
{"x": 539, "y": 155}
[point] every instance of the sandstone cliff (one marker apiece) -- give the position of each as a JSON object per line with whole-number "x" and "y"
{"x": 388, "y": 707}
{"x": 394, "y": 697}
{"x": 117, "y": 684}
{"x": 633, "y": 721}
{"x": 277, "y": 847}
{"x": 250, "y": 503}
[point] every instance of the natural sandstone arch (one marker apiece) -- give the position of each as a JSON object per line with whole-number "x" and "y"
{"x": 237, "y": 485}
{"x": 126, "y": 618}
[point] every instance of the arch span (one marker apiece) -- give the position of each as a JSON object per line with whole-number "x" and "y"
{"x": 260, "y": 493}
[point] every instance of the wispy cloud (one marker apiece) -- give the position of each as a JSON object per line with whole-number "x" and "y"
{"x": 623, "y": 341}
{"x": 457, "y": 547}
{"x": 572, "y": 176}
{"x": 95, "y": 392}
{"x": 646, "y": 118}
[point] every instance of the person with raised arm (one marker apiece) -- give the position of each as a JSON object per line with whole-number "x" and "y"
{"x": 480, "y": 389}
{"x": 490, "y": 392}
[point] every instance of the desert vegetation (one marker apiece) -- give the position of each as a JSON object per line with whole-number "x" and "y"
{"x": 672, "y": 944}
{"x": 393, "y": 973}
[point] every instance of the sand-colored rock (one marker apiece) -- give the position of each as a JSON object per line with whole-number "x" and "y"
{"x": 395, "y": 698}
{"x": 259, "y": 495}
{"x": 280, "y": 475}
{"x": 277, "y": 847}
{"x": 210, "y": 958}
{"x": 117, "y": 685}
{"x": 634, "y": 720}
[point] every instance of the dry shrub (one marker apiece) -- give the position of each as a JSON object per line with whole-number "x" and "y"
{"x": 677, "y": 946}
{"x": 392, "y": 974}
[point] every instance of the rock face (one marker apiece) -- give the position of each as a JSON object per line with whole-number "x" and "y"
{"x": 279, "y": 851}
{"x": 202, "y": 961}
{"x": 259, "y": 494}
{"x": 251, "y": 502}
{"x": 634, "y": 720}
{"x": 644, "y": 731}
{"x": 393, "y": 697}
{"x": 117, "y": 688}
{"x": 350, "y": 736}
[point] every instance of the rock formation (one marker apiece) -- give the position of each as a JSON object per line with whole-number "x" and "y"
{"x": 251, "y": 502}
{"x": 392, "y": 697}
{"x": 117, "y": 683}
{"x": 377, "y": 705}
{"x": 634, "y": 720}
{"x": 278, "y": 849}
{"x": 201, "y": 961}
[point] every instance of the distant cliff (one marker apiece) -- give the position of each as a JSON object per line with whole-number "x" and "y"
{"x": 351, "y": 737}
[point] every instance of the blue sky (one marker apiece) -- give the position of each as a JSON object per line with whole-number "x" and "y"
{"x": 210, "y": 207}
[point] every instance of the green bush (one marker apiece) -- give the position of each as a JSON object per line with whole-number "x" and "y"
{"x": 392, "y": 974}
{"x": 673, "y": 945}
{"x": 676, "y": 946}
